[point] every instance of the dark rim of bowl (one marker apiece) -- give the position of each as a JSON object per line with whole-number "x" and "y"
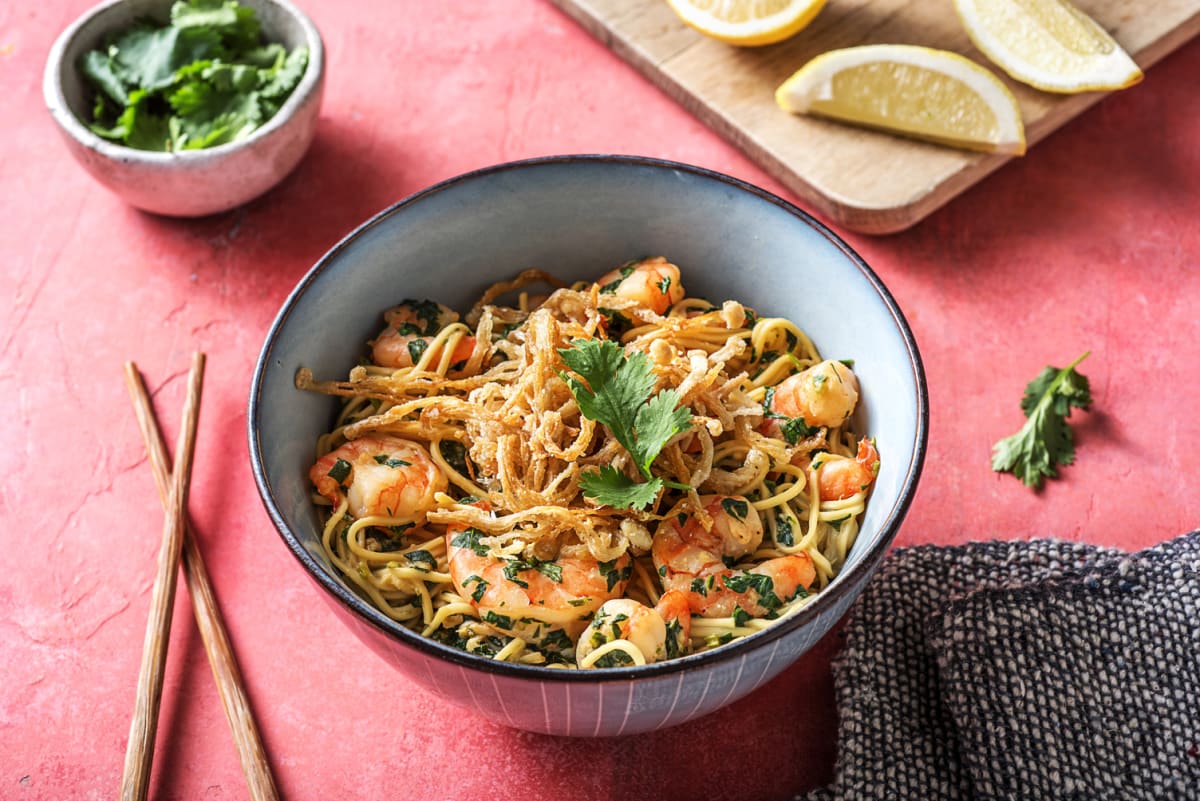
{"x": 369, "y": 614}
{"x": 52, "y": 82}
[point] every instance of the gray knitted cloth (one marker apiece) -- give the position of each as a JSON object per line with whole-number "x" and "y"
{"x": 1004, "y": 671}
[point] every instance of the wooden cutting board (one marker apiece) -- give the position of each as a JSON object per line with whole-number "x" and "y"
{"x": 864, "y": 181}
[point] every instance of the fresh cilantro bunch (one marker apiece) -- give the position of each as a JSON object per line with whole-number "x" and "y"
{"x": 617, "y": 394}
{"x": 1046, "y": 439}
{"x": 205, "y": 79}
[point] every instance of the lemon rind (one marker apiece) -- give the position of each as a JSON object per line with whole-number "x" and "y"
{"x": 764, "y": 31}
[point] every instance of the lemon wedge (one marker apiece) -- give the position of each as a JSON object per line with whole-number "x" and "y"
{"x": 747, "y": 22}
{"x": 920, "y": 92}
{"x": 1049, "y": 44}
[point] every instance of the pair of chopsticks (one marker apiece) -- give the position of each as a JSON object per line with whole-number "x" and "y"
{"x": 178, "y": 539}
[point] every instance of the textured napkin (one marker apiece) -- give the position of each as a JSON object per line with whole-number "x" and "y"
{"x": 1023, "y": 670}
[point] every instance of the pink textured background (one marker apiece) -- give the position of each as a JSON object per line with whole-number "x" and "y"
{"x": 1090, "y": 242}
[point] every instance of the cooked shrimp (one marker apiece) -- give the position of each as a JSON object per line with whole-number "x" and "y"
{"x": 653, "y": 283}
{"x": 380, "y": 475}
{"x": 656, "y": 633}
{"x": 692, "y": 559}
{"x": 411, "y": 328}
{"x": 546, "y": 603}
{"x": 823, "y": 395}
{"x": 839, "y": 478}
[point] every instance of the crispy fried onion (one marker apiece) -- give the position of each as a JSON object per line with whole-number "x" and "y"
{"x": 528, "y": 442}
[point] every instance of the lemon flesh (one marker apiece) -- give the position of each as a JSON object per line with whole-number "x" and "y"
{"x": 1048, "y": 44}
{"x": 747, "y": 22}
{"x": 934, "y": 95}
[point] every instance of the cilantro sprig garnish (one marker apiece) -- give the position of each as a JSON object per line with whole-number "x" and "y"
{"x": 617, "y": 391}
{"x": 202, "y": 80}
{"x": 1046, "y": 439}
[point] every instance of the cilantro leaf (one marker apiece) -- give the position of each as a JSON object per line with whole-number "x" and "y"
{"x": 139, "y": 124}
{"x": 1045, "y": 440}
{"x": 281, "y": 79}
{"x": 148, "y": 57}
{"x": 202, "y": 80}
{"x": 613, "y": 488}
{"x": 98, "y": 68}
{"x": 661, "y": 418}
{"x": 616, "y": 385}
{"x": 617, "y": 394}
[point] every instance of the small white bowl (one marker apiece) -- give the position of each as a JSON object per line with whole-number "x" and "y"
{"x": 192, "y": 183}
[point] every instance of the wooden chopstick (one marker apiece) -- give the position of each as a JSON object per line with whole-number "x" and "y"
{"x": 139, "y": 752}
{"x": 208, "y": 614}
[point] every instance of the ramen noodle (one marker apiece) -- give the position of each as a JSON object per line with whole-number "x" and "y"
{"x": 459, "y": 484}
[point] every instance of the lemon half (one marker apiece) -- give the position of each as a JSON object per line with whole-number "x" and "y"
{"x": 1049, "y": 44}
{"x": 920, "y": 92}
{"x": 747, "y": 22}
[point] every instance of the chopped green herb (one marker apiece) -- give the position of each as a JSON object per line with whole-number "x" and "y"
{"x": 417, "y": 348}
{"x": 736, "y": 508}
{"x": 481, "y": 585}
{"x": 387, "y": 538}
{"x": 201, "y": 80}
{"x": 612, "y": 574}
{"x": 428, "y": 312}
{"x": 469, "y": 538}
{"x": 556, "y": 640}
{"x": 515, "y": 567}
{"x": 512, "y": 572}
{"x": 340, "y": 471}
{"x": 455, "y": 454}
{"x": 674, "y": 639}
{"x": 616, "y": 323}
{"x": 762, "y": 584}
{"x": 499, "y": 621}
{"x": 1045, "y": 440}
{"x": 783, "y": 531}
{"x": 795, "y": 429}
{"x": 740, "y": 617}
{"x": 388, "y": 461}
{"x": 614, "y": 658}
{"x": 623, "y": 272}
{"x": 423, "y": 557}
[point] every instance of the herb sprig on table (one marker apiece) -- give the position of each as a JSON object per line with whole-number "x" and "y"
{"x": 1046, "y": 439}
{"x": 617, "y": 394}
{"x": 204, "y": 79}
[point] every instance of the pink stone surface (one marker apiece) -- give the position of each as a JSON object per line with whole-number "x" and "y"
{"x": 1089, "y": 243}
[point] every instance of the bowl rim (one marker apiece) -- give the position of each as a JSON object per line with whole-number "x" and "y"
{"x": 368, "y": 614}
{"x": 56, "y": 100}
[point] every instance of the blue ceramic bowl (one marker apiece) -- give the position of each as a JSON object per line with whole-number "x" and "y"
{"x": 578, "y": 216}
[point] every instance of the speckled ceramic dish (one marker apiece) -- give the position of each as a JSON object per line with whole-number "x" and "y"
{"x": 579, "y": 216}
{"x": 197, "y": 182}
